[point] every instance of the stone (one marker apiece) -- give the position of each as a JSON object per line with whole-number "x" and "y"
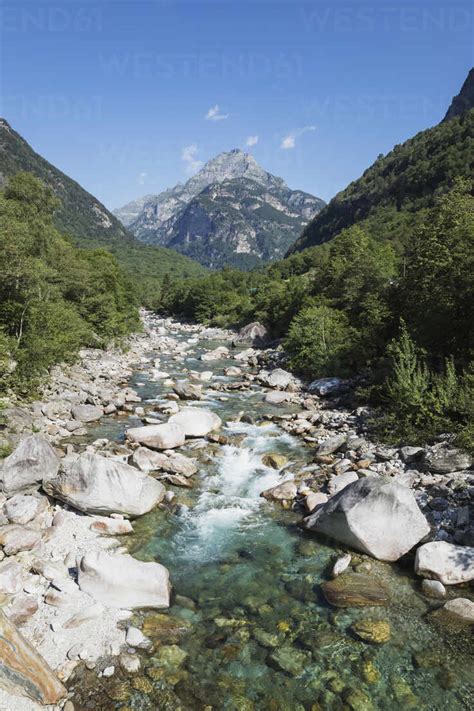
{"x": 87, "y": 413}
{"x": 279, "y": 378}
{"x": 187, "y": 391}
{"x": 355, "y": 590}
{"x": 286, "y": 491}
{"x": 196, "y": 422}
{"x": 446, "y": 562}
{"x": 461, "y": 608}
{"x": 11, "y": 577}
{"x": 21, "y": 509}
{"x": 325, "y": 387}
{"x": 357, "y": 700}
{"x": 443, "y": 459}
{"x": 314, "y": 499}
{"x": 373, "y": 515}
{"x": 130, "y": 663}
{"x": 274, "y": 460}
{"x": 372, "y": 631}
{"x": 124, "y": 582}
{"x": 147, "y": 460}
{"x": 411, "y": 454}
{"x": 289, "y": 659}
{"x": 136, "y": 638}
{"x": 21, "y": 609}
{"x": 99, "y": 485}
{"x": 33, "y": 461}
{"x": 216, "y": 354}
{"x": 433, "y": 588}
{"x": 23, "y": 671}
{"x": 254, "y": 333}
{"x": 16, "y": 538}
{"x": 277, "y": 397}
{"x": 341, "y": 565}
{"x": 169, "y": 656}
{"x": 164, "y": 436}
{"x": 179, "y": 464}
{"x": 111, "y": 527}
{"x": 339, "y": 482}
{"x": 332, "y": 444}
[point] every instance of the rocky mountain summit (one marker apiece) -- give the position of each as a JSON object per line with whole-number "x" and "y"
{"x": 232, "y": 212}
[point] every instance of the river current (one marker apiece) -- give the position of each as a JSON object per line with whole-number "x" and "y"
{"x": 249, "y": 628}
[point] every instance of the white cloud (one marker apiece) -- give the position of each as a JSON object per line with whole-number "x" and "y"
{"x": 290, "y": 140}
{"x": 189, "y": 156}
{"x": 142, "y": 177}
{"x": 251, "y": 141}
{"x": 214, "y": 114}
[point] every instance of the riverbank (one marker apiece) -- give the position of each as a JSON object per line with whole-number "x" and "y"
{"x": 174, "y": 366}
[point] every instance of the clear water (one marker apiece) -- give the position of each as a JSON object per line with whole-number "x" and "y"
{"x": 255, "y": 628}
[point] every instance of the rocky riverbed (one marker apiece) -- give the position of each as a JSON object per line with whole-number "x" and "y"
{"x": 187, "y": 525}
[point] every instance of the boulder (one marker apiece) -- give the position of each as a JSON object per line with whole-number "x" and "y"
{"x": 124, "y": 582}
{"x": 274, "y": 460}
{"x": 22, "y": 670}
{"x": 315, "y": 498}
{"x": 327, "y": 386}
{"x": 339, "y": 482}
{"x": 196, "y": 422}
{"x": 21, "y": 509}
{"x": 283, "y": 492}
{"x": 332, "y": 444}
{"x": 372, "y": 631}
{"x": 373, "y": 515}
{"x": 461, "y": 608}
{"x": 254, "y": 333}
{"x": 277, "y": 397}
{"x": 217, "y": 354}
{"x": 443, "y": 459}
{"x": 15, "y": 538}
{"x": 87, "y": 413}
{"x": 355, "y": 590}
{"x": 95, "y": 484}
{"x": 409, "y": 455}
{"x": 187, "y": 391}
{"x": 445, "y": 562}
{"x": 279, "y": 378}
{"x": 164, "y": 436}
{"x": 33, "y": 461}
{"x": 149, "y": 461}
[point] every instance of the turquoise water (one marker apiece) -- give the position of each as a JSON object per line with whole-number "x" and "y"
{"x": 249, "y": 628}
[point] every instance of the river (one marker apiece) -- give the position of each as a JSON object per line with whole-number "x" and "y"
{"x": 250, "y": 629}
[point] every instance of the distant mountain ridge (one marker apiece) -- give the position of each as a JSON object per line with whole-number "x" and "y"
{"x": 393, "y": 192}
{"x": 87, "y": 220}
{"x": 232, "y": 212}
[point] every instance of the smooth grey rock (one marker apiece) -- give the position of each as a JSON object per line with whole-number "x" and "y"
{"x": 433, "y": 588}
{"x": 279, "y": 378}
{"x": 332, "y": 444}
{"x": 327, "y": 386}
{"x": 443, "y": 459}
{"x": 196, "y": 422}
{"x": 372, "y": 515}
{"x": 165, "y": 436}
{"x": 287, "y": 490}
{"x": 315, "y": 498}
{"x": 32, "y": 462}
{"x": 411, "y": 454}
{"x": 254, "y": 333}
{"x": 21, "y": 509}
{"x": 11, "y": 577}
{"x": 148, "y": 460}
{"x": 96, "y": 484}
{"x": 124, "y": 582}
{"x": 460, "y": 607}
{"x": 87, "y": 413}
{"x": 446, "y": 562}
{"x": 339, "y": 482}
{"x": 276, "y": 397}
{"x": 187, "y": 391}
{"x": 341, "y": 565}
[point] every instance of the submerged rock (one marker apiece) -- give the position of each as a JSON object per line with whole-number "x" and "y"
{"x": 124, "y": 582}
{"x": 355, "y": 590}
{"x": 33, "y": 461}
{"x": 96, "y": 484}
{"x": 22, "y": 670}
{"x": 289, "y": 659}
{"x": 460, "y": 608}
{"x": 373, "y": 631}
{"x": 373, "y": 515}
{"x": 445, "y": 562}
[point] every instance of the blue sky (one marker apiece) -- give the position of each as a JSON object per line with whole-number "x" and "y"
{"x": 128, "y": 97}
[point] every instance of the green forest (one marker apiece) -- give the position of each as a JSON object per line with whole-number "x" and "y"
{"x": 403, "y": 322}
{"x": 54, "y": 297}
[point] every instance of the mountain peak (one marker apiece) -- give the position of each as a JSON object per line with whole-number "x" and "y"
{"x": 464, "y": 100}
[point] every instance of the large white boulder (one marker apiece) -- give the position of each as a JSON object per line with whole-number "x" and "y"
{"x": 33, "y": 461}
{"x": 99, "y": 485}
{"x": 279, "y": 378}
{"x": 124, "y": 582}
{"x": 374, "y": 515}
{"x": 196, "y": 422}
{"x": 443, "y": 561}
{"x": 164, "y": 436}
{"x": 87, "y": 413}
